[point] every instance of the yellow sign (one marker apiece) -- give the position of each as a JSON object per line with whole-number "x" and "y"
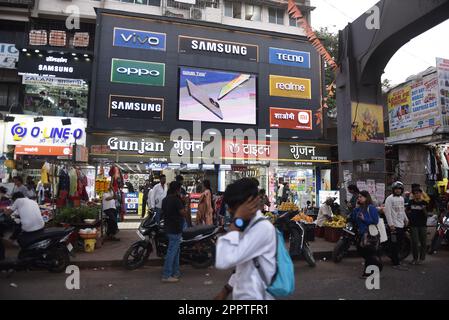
{"x": 290, "y": 87}
{"x": 368, "y": 123}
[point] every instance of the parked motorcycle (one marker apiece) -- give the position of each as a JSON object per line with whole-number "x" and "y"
{"x": 349, "y": 238}
{"x": 442, "y": 233}
{"x": 49, "y": 249}
{"x": 197, "y": 244}
{"x": 295, "y": 232}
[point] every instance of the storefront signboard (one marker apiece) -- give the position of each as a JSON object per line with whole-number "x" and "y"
{"x": 9, "y": 56}
{"x": 43, "y": 150}
{"x": 31, "y": 79}
{"x": 139, "y": 39}
{"x": 138, "y": 72}
{"x": 136, "y": 107}
{"x": 443, "y": 86}
{"x": 290, "y": 87}
{"x": 218, "y": 48}
{"x": 55, "y": 64}
{"x": 414, "y": 109}
{"x": 48, "y": 132}
{"x": 285, "y": 118}
{"x": 291, "y": 58}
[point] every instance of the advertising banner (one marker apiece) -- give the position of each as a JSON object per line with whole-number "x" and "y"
{"x": 52, "y": 81}
{"x": 138, "y": 72}
{"x": 139, "y": 39}
{"x": 297, "y": 119}
{"x": 48, "y": 132}
{"x": 290, "y": 58}
{"x": 217, "y": 96}
{"x": 443, "y": 86}
{"x": 43, "y": 150}
{"x": 9, "y": 56}
{"x": 368, "y": 123}
{"x": 136, "y": 107}
{"x": 413, "y": 110}
{"x": 290, "y": 87}
{"x": 218, "y": 48}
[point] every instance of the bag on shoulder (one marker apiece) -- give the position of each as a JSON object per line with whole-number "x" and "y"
{"x": 283, "y": 282}
{"x": 371, "y": 238}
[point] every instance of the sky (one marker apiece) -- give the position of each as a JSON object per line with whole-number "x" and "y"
{"x": 414, "y": 57}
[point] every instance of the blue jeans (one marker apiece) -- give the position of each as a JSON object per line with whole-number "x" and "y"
{"x": 157, "y": 212}
{"x": 171, "y": 264}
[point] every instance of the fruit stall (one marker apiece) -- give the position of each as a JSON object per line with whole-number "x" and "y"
{"x": 333, "y": 228}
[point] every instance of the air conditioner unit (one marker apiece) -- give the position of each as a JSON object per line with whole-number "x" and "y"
{"x": 196, "y": 14}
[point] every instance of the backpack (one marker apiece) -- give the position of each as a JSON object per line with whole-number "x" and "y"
{"x": 283, "y": 282}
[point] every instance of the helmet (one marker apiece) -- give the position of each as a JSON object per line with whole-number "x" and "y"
{"x": 397, "y": 185}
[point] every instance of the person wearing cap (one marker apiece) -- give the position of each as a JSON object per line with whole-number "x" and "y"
{"x": 325, "y": 212}
{"x": 397, "y": 221}
{"x": 417, "y": 213}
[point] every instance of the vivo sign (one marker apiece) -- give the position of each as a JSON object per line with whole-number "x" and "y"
{"x": 139, "y": 39}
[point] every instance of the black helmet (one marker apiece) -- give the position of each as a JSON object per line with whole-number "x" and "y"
{"x": 397, "y": 185}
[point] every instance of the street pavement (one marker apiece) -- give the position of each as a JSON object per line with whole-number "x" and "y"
{"x": 326, "y": 281}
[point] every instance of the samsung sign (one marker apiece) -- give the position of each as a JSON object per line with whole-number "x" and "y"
{"x": 290, "y": 58}
{"x": 139, "y": 39}
{"x": 136, "y": 107}
{"x": 217, "y": 48}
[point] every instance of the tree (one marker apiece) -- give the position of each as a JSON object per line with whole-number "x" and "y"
{"x": 330, "y": 42}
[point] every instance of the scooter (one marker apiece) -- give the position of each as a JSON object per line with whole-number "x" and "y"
{"x": 442, "y": 233}
{"x": 49, "y": 249}
{"x": 295, "y": 232}
{"x": 197, "y": 244}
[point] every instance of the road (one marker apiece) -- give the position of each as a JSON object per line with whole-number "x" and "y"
{"x": 326, "y": 281}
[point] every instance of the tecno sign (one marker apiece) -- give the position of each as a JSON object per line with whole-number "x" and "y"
{"x": 290, "y": 87}
{"x": 138, "y": 72}
{"x": 139, "y": 39}
{"x": 290, "y": 58}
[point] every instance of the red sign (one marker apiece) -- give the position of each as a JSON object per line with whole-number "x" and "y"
{"x": 297, "y": 119}
{"x": 242, "y": 149}
{"x": 43, "y": 150}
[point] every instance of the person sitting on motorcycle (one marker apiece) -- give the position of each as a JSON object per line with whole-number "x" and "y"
{"x": 30, "y": 216}
{"x": 397, "y": 221}
{"x": 363, "y": 216}
{"x": 325, "y": 213}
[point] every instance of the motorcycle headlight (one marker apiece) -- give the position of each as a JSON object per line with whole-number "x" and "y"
{"x": 41, "y": 244}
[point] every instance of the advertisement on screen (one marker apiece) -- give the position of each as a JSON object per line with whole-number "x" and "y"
{"x": 217, "y": 96}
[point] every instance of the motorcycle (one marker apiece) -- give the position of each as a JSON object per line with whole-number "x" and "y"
{"x": 295, "y": 232}
{"x": 197, "y": 244}
{"x": 349, "y": 238}
{"x": 49, "y": 249}
{"x": 442, "y": 233}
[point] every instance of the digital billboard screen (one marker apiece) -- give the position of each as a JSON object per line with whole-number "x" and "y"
{"x": 217, "y": 96}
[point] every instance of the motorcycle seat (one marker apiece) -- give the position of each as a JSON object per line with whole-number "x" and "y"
{"x": 192, "y": 232}
{"x": 40, "y": 235}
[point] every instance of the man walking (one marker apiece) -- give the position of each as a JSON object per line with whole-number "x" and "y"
{"x": 158, "y": 193}
{"x": 417, "y": 211}
{"x": 397, "y": 221}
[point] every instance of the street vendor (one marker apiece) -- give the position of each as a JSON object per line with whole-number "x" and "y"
{"x": 325, "y": 213}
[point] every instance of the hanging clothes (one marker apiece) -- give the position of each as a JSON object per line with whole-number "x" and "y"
{"x": 116, "y": 178}
{"x": 444, "y": 163}
{"x": 82, "y": 184}
{"x": 45, "y": 171}
{"x": 73, "y": 182}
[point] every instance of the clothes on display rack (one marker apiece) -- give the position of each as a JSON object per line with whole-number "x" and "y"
{"x": 73, "y": 178}
{"x": 116, "y": 178}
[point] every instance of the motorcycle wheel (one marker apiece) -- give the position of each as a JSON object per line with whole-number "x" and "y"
{"x": 136, "y": 255}
{"x": 340, "y": 250}
{"x": 204, "y": 259}
{"x": 294, "y": 244}
{"x": 436, "y": 243}
{"x": 61, "y": 258}
{"x": 308, "y": 255}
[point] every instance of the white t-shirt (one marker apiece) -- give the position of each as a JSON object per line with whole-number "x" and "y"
{"x": 108, "y": 204}
{"x": 29, "y": 213}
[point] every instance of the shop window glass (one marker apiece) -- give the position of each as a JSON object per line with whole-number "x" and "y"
{"x": 141, "y": 1}
{"x": 156, "y": 3}
{"x": 252, "y": 12}
{"x": 56, "y": 100}
{"x": 292, "y": 22}
{"x": 4, "y": 96}
{"x": 228, "y": 9}
{"x": 276, "y": 16}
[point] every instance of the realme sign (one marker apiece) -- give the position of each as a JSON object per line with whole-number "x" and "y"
{"x": 298, "y": 88}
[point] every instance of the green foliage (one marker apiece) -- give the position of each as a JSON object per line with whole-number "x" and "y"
{"x": 76, "y": 215}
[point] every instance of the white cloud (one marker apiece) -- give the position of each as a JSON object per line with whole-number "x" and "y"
{"x": 414, "y": 57}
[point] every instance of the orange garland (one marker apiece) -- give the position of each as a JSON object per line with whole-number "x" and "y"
{"x": 296, "y": 13}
